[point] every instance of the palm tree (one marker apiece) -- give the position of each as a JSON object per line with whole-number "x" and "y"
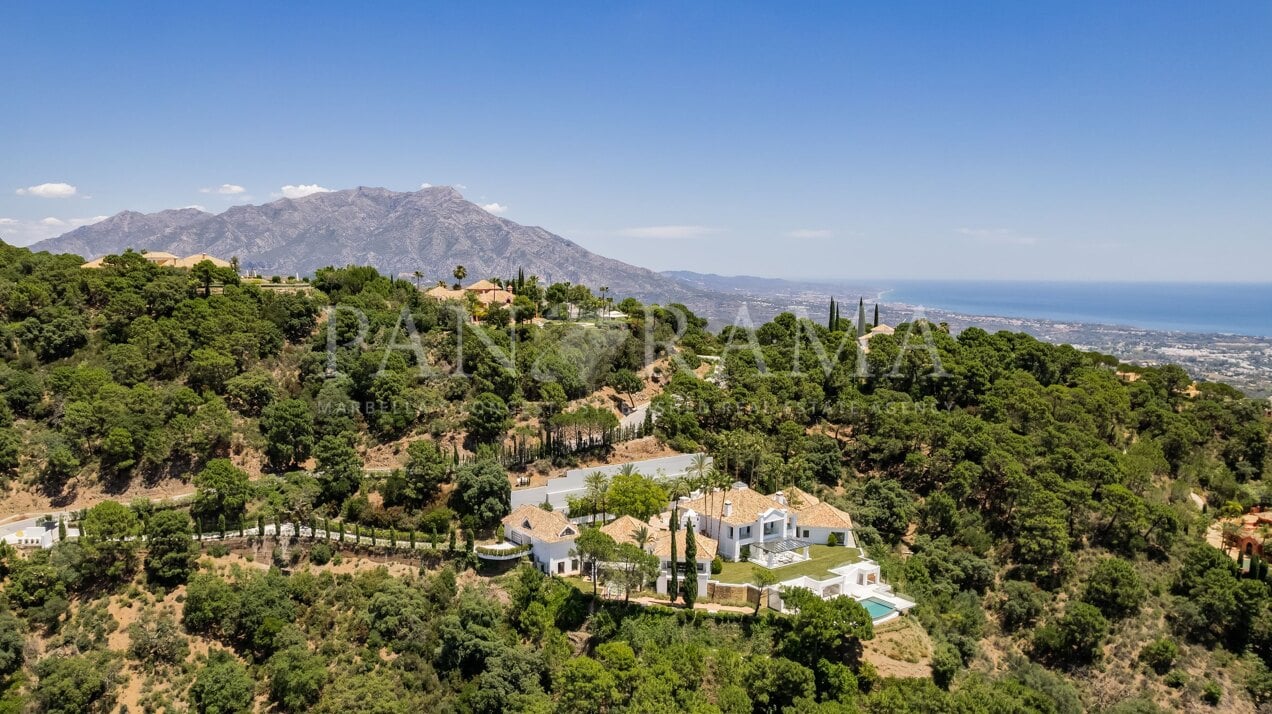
{"x": 642, "y": 536}
{"x": 723, "y": 481}
{"x": 675, "y": 489}
{"x": 595, "y": 485}
{"x": 460, "y": 272}
{"x": 700, "y": 467}
{"x": 417, "y": 275}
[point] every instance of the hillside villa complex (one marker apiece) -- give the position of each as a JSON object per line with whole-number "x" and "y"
{"x": 738, "y": 524}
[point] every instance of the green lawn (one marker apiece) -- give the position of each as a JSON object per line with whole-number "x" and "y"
{"x": 821, "y": 559}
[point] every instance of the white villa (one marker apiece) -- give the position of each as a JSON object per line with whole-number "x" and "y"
{"x": 41, "y": 535}
{"x": 548, "y": 535}
{"x": 777, "y": 529}
{"x": 624, "y": 529}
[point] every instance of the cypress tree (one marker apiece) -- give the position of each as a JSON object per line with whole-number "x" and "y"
{"x": 220, "y": 525}
{"x": 691, "y": 567}
{"x": 61, "y": 529}
{"x": 340, "y": 531}
{"x": 673, "y": 590}
{"x": 451, "y": 546}
{"x": 830, "y": 321}
{"x": 876, "y": 322}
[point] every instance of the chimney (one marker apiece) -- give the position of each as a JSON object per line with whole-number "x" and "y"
{"x": 728, "y": 508}
{"x": 780, "y": 497}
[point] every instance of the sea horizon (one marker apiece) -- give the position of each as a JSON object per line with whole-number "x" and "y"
{"x": 1240, "y": 308}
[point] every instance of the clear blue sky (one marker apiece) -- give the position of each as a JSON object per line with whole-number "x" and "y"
{"x": 1065, "y": 140}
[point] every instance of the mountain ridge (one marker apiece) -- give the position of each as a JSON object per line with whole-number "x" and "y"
{"x": 431, "y": 231}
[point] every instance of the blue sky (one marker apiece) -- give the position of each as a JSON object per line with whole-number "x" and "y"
{"x": 1029, "y": 140}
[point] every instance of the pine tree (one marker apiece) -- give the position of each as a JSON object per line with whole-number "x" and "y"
{"x": 691, "y": 567}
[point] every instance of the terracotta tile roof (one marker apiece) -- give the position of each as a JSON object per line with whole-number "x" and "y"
{"x": 192, "y": 260}
{"x": 822, "y": 515}
{"x": 798, "y": 498}
{"x": 546, "y": 526}
{"x": 623, "y": 529}
{"x": 748, "y": 504}
{"x": 442, "y": 293}
{"x": 488, "y": 297}
{"x": 662, "y": 545}
{"x": 482, "y": 285}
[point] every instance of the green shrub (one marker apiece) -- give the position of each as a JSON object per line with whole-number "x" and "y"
{"x": 1176, "y": 679}
{"x": 320, "y": 554}
{"x": 1211, "y": 693}
{"x": 717, "y": 565}
{"x": 1160, "y": 654}
{"x": 832, "y": 540}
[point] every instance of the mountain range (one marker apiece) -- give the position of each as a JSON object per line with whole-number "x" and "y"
{"x": 430, "y": 231}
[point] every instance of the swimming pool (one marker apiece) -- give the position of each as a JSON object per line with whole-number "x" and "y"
{"x": 877, "y": 608}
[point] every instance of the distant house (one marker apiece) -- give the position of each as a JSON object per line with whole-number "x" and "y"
{"x": 550, "y": 536}
{"x": 42, "y": 535}
{"x": 624, "y": 529}
{"x": 192, "y": 260}
{"x": 486, "y": 293}
{"x": 167, "y": 260}
{"x": 1251, "y": 530}
{"x": 160, "y": 258}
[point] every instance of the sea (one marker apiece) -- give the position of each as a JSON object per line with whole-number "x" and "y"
{"x": 1231, "y": 308}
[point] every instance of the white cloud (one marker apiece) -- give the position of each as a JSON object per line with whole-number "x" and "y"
{"x": 197, "y": 207}
{"x": 997, "y": 236}
{"x": 669, "y": 232}
{"x": 809, "y": 233}
{"x": 48, "y": 190}
{"x": 304, "y": 189}
{"x": 19, "y": 232}
{"x": 495, "y": 208}
{"x": 425, "y": 185}
{"x": 225, "y": 189}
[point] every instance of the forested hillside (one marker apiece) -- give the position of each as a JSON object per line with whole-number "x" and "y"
{"x": 1034, "y": 500}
